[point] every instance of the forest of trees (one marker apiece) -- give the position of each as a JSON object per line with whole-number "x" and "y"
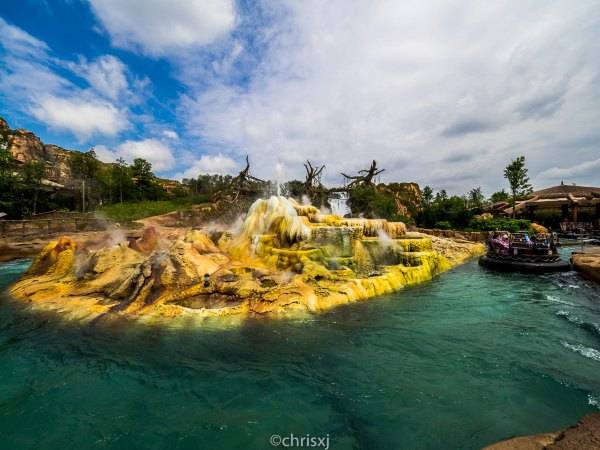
{"x": 93, "y": 184}
{"x": 438, "y": 210}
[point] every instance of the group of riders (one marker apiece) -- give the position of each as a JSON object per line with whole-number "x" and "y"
{"x": 505, "y": 243}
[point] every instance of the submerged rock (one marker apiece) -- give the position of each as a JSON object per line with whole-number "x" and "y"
{"x": 287, "y": 258}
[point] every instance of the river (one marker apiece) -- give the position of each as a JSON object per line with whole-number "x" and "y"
{"x": 465, "y": 360}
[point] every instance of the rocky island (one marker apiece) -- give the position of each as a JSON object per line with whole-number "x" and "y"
{"x": 285, "y": 258}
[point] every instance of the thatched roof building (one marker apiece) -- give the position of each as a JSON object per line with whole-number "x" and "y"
{"x": 568, "y": 200}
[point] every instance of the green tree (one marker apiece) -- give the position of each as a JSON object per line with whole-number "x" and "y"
{"x": 499, "y": 196}
{"x": 366, "y": 200}
{"x": 85, "y": 167}
{"x": 294, "y": 188}
{"x": 516, "y": 174}
{"x": 427, "y": 195}
{"x": 147, "y": 186}
{"x": 446, "y": 212}
{"x": 475, "y": 198}
{"x": 441, "y": 196}
{"x": 7, "y": 169}
{"x": 121, "y": 172}
{"x": 9, "y": 183}
{"x": 33, "y": 174}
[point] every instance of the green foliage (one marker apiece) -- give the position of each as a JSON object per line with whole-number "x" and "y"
{"x": 208, "y": 184}
{"x": 33, "y": 174}
{"x": 294, "y": 188}
{"x": 450, "y": 212}
{"x": 443, "y": 225}
{"x": 147, "y": 187}
{"x": 129, "y": 211}
{"x": 20, "y": 187}
{"x": 427, "y": 195}
{"x": 122, "y": 183}
{"x": 475, "y": 198}
{"x": 516, "y": 174}
{"x": 500, "y": 224}
{"x": 7, "y": 169}
{"x": 369, "y": 202}
{"x": 499, "y": 196}
{"x": 11, "y": 192}
{"x": 84, "y": 165}
{"x": 441, "y": 196}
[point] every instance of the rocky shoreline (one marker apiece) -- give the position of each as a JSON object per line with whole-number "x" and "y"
{"x": 585, "y": 434}
{"x": 587, "y": 263}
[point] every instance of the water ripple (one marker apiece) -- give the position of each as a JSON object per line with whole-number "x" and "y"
{"x": 588, "y": 352}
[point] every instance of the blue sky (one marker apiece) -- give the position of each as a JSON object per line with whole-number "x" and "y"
{"x": 441, "y": 92}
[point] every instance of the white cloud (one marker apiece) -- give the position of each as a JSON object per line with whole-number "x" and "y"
{"x": 412, "y": 85}
{"x": 107, "y": 75}
{"x": 15, "y": 40}
{"x": 82, "y": 117}
{"x": 209, "y": 164}
{"x": 170, "y": 134}
{"x": 152, "y": 150}
{"x": 105, "y": 154}
{"x": 31, "y": 81}
{"x": 584, "y": 169}
{"x": 158, "y": 27}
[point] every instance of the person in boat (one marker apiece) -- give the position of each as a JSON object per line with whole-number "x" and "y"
{"x": 498, "y": 242}
{"x": 545, "y": 244}
{"x": 521, "y": 240}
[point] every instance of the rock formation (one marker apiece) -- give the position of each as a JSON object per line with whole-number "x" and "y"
{"x": 583, "y": 435}
{"x": 407, "y": 197}
{"x": 588, "y": 263}
{"x": 286, "y": 258}
{"x": 25, "y": 146}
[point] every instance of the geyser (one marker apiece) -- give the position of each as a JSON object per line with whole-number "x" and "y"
{"x": 287, "y": 258}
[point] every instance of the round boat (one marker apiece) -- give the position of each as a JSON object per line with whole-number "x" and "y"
{"x": 525, "y": 263}
{"x": 518, "y": 252}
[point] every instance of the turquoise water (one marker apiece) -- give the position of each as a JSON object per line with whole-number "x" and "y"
{"x": 463, "y": 361}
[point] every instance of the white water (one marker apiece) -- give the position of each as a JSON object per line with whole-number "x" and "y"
{"x": 339, "y": 206}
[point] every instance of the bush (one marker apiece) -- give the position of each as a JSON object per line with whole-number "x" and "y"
{"x": 443, "y": 225}
{"x": 500, "y": 224}
{"x": 371, "y": 203}
{"x": 129, "y": 211}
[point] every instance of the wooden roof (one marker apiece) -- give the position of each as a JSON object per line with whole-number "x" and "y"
{"x": 556, "y": 196}
{"x": 563, "y": 190}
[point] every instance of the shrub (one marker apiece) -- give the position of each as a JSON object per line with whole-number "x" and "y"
{"x": 500, "y": 224}
{"x": 129, "y": 211}
{"x": 443, "y": 225}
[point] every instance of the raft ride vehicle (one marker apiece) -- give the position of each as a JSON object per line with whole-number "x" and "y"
{"x": 520, "y": 252}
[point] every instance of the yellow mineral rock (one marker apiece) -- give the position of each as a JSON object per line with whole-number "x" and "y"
{"x": 287, "y": 258}
{"x": 537, "y": 228}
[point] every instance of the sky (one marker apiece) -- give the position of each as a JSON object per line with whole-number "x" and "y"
{"x": 442, "y": 93}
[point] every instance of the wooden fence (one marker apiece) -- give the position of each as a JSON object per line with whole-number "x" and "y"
{"x": 38, "y": 228}
{"x": 474, "y": 236}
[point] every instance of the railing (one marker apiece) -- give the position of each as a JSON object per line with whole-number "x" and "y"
{"x": 576, "y": 227}
{"x": 46, "y": 227}
{"x": 67, "y": 215}
{"x": 474, "y": 236}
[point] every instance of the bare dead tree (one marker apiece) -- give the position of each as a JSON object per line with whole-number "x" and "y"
{"x": 313, "y": 176}
{"x": 364, "y": 177}
{"x": 243, "y": 184}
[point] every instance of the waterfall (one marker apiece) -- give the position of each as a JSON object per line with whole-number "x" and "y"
{"x": 339, "y": 204}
